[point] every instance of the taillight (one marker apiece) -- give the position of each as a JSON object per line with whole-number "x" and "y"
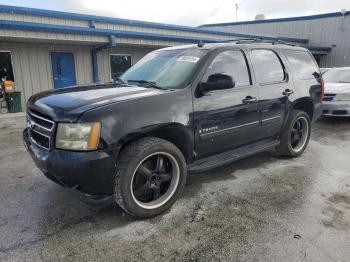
{"x": 322, "y": 89}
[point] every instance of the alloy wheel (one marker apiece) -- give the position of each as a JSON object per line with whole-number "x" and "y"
{"x": 155, "y": 180}
{"x": 299, "y": 134}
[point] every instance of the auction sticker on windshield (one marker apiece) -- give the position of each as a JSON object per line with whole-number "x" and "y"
{"x": 189, "y": 59}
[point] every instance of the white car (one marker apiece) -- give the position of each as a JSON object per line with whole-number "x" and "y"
{"x": 324, "y": 70}
{"x": 336, "y": 101}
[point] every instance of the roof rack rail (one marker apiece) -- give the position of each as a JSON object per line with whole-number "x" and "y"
{"x": 256, "y": 40}
{"x": 240, "y": 39}
{"x": 282, "y": 42}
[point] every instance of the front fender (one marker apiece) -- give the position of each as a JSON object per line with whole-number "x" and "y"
{"x": 169, "y": 113}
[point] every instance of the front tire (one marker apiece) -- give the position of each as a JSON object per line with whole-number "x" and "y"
{"x": 151, "y": 174}
{"x": 296, "y": 135}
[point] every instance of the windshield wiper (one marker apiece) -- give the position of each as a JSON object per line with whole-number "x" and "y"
{"x": 146, "y": 83}
{"x": 119, "y": 80}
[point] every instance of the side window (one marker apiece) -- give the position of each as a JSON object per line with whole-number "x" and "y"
{"x": 119, "y": 64}
{"x": 267, "y": 66}
{"x": 233, "y": 63}
{"x": 302, "y": 64}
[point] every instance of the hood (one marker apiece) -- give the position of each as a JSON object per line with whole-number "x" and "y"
{"x": 336, "y": 88}
{"x": 67, "y": 104}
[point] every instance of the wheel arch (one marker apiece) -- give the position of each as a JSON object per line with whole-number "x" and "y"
{"x": 175, "y": 133}
{"x": 303, "y": 104}
{"x": 306, "y": 105}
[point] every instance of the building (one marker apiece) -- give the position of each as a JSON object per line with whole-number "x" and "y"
{"x": 327, "y": 30}
{"x": 43, "y": 49}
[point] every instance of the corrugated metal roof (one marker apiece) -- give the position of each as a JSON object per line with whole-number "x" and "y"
{"x": 81, "y": 30}
{"x": 276, "y": 20}
{"x": 119, "y": 21}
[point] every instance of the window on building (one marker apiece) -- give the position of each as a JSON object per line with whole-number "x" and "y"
{"x": 233, "y": 63}
{"x": 119, "y": 64}
{"x": 6, "y": 70}
{"x": 302, "y": 64}
{"x": 267, "y": 66}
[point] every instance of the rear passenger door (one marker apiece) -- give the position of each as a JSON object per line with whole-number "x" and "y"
{"x": 274, "y": 88}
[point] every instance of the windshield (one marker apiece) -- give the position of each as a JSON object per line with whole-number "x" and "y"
{"x": 168, "y": 69}
{"x": 337, "y": 76}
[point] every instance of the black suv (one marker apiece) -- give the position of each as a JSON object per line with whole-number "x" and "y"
{"x": 179, "y": 109}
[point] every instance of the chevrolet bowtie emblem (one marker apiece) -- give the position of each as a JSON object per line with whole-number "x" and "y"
{"x": 30, "y": 124}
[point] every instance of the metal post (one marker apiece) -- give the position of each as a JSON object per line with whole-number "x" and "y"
{"x": 236, "y": 12}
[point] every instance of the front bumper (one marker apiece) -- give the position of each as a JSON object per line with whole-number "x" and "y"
{"x": 91, "y": 173}
{"x": 336, "y": 108}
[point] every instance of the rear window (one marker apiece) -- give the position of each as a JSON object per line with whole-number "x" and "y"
{"x": 267, "y": 66}
{"x": 302, "y": 64}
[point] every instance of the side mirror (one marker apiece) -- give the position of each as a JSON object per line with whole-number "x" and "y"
{"x": 218, "y": 82}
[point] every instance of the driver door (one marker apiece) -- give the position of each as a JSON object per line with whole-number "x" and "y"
{"x": 226, "y": 119}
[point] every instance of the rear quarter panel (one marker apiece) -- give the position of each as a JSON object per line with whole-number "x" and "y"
{"x": 305, "y": 90}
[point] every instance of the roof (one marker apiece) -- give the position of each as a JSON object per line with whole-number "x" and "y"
{"x": 120, "y": 21}
{"x": 276, "y": 20}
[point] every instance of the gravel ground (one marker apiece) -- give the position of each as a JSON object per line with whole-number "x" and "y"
{"x": 263, "y": 208}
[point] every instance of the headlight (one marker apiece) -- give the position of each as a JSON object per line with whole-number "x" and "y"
{"x": 79, "y": 137}
{"x": 342, "y": 97}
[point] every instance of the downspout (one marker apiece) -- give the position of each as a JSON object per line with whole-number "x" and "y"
{"x": 94, "y": 53}
{"x": 95, "y": 74}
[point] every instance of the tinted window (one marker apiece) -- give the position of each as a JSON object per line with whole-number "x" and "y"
{"x": 119, "y": 64}
{"x": 302, "y": 64}
{"x": 232, "y": 63}
{"x": 267, "y": 66}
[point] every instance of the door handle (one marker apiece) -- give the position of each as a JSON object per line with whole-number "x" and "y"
{"x": 288, "y": 92}
{"x": 249, "y": 100}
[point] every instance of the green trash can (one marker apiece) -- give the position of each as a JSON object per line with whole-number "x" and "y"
{"x": 13, "y": 101}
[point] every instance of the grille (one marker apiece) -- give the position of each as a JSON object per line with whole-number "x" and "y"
{"x": 340, "y": 112}
{"x": 40, "y": 139}
{"x": 328, "y": 97}
{"x": 41, "y": 129}
{"x": 40, "y": 121}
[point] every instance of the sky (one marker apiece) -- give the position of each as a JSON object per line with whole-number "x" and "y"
{"x": 186, "y": 12}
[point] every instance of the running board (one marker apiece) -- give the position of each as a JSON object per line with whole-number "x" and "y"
{"x": 230, "y": 156}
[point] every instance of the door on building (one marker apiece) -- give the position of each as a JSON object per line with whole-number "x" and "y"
{"x": 63, "y": 69}
{"x": 6, "y": 70}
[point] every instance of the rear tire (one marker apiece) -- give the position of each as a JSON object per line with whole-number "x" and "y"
{"x": 151, "y": 174}
{"x": 296, "y": 135}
